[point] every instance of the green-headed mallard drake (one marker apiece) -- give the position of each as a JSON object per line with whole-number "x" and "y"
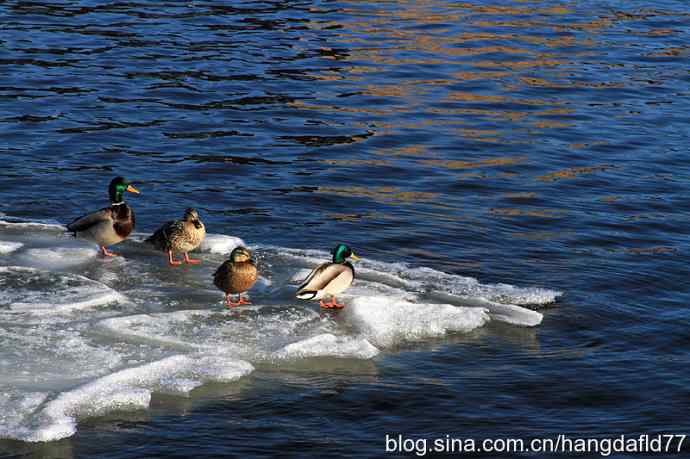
{"x": 236, "y": 275}
{"x": 110, "y": 225}
{"x": 180, "y": 236}
{"x": 329, "y": 278}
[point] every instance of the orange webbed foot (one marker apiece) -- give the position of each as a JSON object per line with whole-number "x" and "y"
{"x": 331, "y": 305}
{"x": 191, "y": 261}
{"x": 107, "y": 253}
{"x": 232, "y": 304}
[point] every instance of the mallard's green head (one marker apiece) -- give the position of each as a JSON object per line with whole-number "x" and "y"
{"x": 342, "y": 252}
{"x": 240, "y": 254}
{"x": 118, "y": 186}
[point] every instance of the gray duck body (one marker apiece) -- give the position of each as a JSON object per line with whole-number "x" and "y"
{"x": 106, "y": 226}
{"x": 327, "y": 279}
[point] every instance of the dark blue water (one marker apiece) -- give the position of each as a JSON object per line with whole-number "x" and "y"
{"x": 530, "y": 143}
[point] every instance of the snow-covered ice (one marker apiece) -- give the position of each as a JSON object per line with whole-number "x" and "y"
{"x": 82, "y": 335}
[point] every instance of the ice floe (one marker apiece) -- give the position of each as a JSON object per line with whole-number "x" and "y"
{"x": 81, "y": 335}
{"x": 248, "y": 332}
{"x": 58, "y": 257}
{"x": 220, "y": 243}
{"x": 504, "y": 303}
{"x": 388, "y": 322}
{"x": 9, "y": 247}
{"x": 15, "y": 224}
{"x": 44, "y": 292}
{"x": 329, "y": 345}
{"x": 127, "y": 389}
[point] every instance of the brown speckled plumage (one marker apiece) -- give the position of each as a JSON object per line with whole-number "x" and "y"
{"x": 179, "y": 236}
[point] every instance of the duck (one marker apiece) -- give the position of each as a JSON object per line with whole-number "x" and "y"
{"x": 110, "y": 225}
{"x": 180, "y": 236}
{"x": 236, "y": 275}
{"x": 330, "y": 279}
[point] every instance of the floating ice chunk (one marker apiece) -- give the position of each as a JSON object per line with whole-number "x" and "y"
{"x": 300, "y": 276}
{"x": 328, "y": 345}
{"x": 388, "y": 322}
{"x": 52, "y": 355}
{"x": 364, "y": 288}
{"x": 163, "y": 328}
{"x": 252, "y": 333}
{"x": 40, "y": 292}
{"x": 9, "y": 247}
{"x": 15, "y": 408}
{"x": 220, "y": 243}
{"x": 58, "y": 257}
{"x": 512, "y": 314}
{"x": 126, "y": 389}
{"x": 508, "y": 313}
{"x": 471, "y": 288}
{"x": 36, "y": 224}
{"x": 180, "y": 386}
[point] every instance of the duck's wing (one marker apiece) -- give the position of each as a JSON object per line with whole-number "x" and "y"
{"x": 90, "y": 220}
{"x": 162, "y": 236}
{"x": 321, "y": 276}
{"x": 223, "y": 269}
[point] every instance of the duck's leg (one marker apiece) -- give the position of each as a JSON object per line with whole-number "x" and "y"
{"x": 106, "y": 252}
{"x": 190, "y": 261}
{"x": 171, "y": 259}
{"x": 231, "y": 304}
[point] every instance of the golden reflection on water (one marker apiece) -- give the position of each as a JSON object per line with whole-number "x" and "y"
{"x": 456, "y": 164}
{"x": 572, "y": 173}
{"x": 381, "y": 194}
{"x": 483, "y": 75}
{"x": 509, "y": 75}
{"x": 409, "y": 150}
{"x": 550, "y": 124}
{"x": 515, "y": 212}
